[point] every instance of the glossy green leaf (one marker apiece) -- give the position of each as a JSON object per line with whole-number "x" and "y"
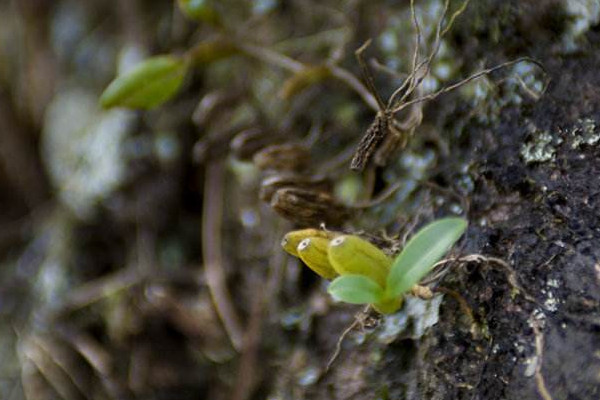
{"x": 147, "y": 85}
{"x": 421, "y": 252}
{"x": 355, "y": 289}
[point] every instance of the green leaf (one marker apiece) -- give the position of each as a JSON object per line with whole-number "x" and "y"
{"x": 355, "y": 289}
{"x": 147, "y": 85}
{"x": 421, "y": 252}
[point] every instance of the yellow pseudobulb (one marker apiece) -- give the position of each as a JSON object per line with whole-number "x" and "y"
{"x": 313, "y": 251}
{"x": 389, "y": 306}
{"x": 351, "y": 255}
{"x": 292, "y": 239}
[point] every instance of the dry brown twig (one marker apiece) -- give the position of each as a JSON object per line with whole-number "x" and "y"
{"x": 387, "y": 133}
{"x": 274, "y": 58}
{"x": 249, "y": 366}
{"x": 212, "y": 250}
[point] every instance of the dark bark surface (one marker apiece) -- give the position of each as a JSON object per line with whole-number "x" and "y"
{"x": 542, "y": 216}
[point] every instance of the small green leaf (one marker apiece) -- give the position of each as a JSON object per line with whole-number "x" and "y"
{"x": 355, "y": 289}
{"x": 147, "y": 85}
{"x": 421, "y": 252}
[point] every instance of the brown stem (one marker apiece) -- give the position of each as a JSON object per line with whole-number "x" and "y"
{"x": 212, "y": 216}
{"x": 247, "y": 367}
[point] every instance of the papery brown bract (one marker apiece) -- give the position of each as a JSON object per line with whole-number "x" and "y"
{"x": 248, "y": 142}
{"x": 273, "y": 183}
{"x": 282, "y": 157}
{"x": 309, "y": 207}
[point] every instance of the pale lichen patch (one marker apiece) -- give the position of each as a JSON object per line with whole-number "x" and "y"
{"x": 584, "y": 132}
{"x": 541, "y": 146}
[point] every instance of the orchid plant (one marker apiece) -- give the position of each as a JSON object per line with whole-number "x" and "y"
{"x": 362, "y": 273}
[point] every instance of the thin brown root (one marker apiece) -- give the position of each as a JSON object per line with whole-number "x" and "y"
{"x": 390, "y": 190}
{"x": 539, "y": 351}
{"x": 456, "y": 14}
{"x": 392, "y": 73}
{"x": 338, "y": 345}
{"x": 464, "y": 307}
{"x": 417, "y": 75}
{"x": 427, "y": 62}
{"x": 417, "y": 27}
{"x": 403, "y": 104}
{"x": 409, "y": 230}
{"x": 535, "y": 96}
{"x": 511, "y": 273}
{"x": 408, "y": 82}
{"x": 358, "y": 320}
{"x": 464, "y": 201}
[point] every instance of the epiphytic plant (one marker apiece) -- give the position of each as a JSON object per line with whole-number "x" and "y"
{"x": 363, "y": 273}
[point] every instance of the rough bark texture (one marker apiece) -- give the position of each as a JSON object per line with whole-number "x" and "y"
{"x": 542, "y": 217}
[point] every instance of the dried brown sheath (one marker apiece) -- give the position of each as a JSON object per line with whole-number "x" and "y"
{"x": 370, "y": 142}
{"x": 273, "y": 183}
{"x": 248, "y": 142}
{"x": 395, "y": 139}
{"x": 282, "y": 157}
{"x": 309, "y": 207}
